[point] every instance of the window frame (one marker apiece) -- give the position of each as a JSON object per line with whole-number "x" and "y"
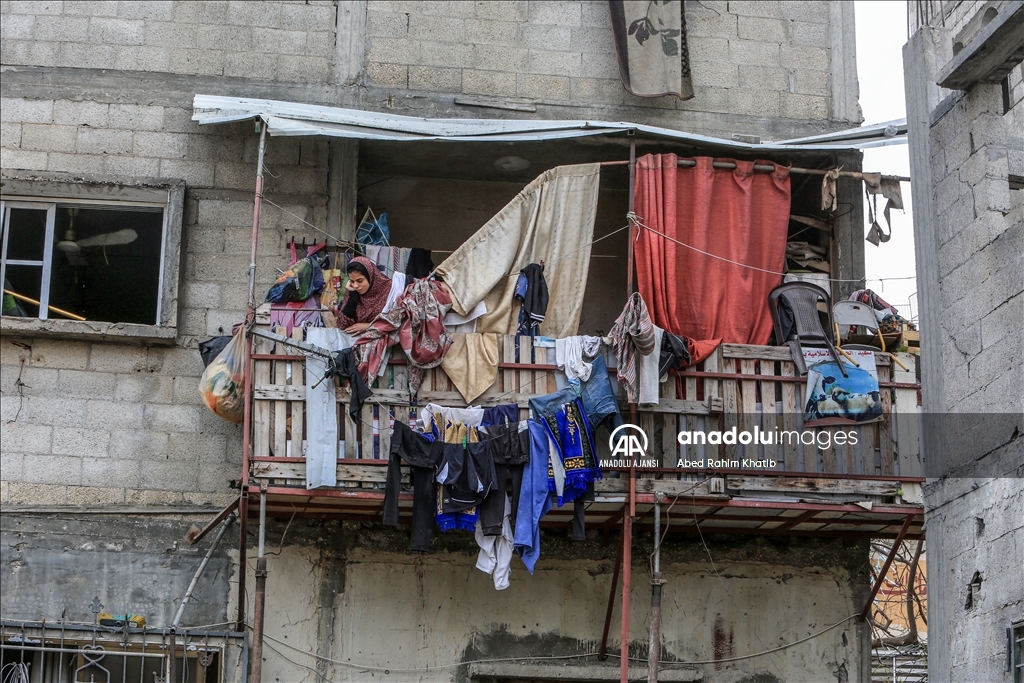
{"x": 49, "y": 191}
{"x": 1015, "y": 651}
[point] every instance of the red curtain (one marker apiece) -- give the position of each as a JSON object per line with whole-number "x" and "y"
{"x": 737, "y": 215}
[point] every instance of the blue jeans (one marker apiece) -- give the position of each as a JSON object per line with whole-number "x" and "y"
{"x": 596, "y": 394}
{"x": 599, "y": 396}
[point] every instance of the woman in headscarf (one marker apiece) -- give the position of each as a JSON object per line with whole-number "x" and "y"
{"x": 368, "y": 291}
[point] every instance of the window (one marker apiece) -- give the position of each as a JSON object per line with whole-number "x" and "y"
{"x": 75, "y": 253}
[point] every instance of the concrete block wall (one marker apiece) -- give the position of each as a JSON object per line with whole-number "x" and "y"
{"x": 287, "y": 40}
{"x": 973, "y": 513}
{"x": 974, "y": 525}
{"x": 752, "y": 60}
{"x": 88, "y": 422}
{"x": 981, "y": 242}
{"x": 366, "y": 600}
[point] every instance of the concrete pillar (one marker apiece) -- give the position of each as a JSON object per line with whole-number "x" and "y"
{"x": 924, "y": 55}
{"x": 350, "y": 42}
{"x": 342, "y": 188}
{"x": 848, "y": 239}
{"x": 843, "y": 62}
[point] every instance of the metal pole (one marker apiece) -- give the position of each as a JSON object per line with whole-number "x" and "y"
{"x": 627, "y": 516}
{"x": 256, "y": 666}
{"x": 256, "y": 213}
{"x": 243, "y": 566}
{"x": 885, "y": 567}
{"x": 263, "y": 521}
{"x": 654, "y": 650}
{"x": 627, "y": 560}
{"x": 603, "y": 653}
{"x": 243, "y": 505}
{"x": 199, "y": 572}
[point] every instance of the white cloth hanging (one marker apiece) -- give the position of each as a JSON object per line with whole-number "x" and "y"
{"x": 321, "y": 449}
{"x": 570, "y": 353}
{"x": 495, "y": 556}
{"x": 648, "y": 366}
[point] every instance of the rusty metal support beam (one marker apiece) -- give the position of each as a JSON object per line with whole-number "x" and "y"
{"x": 627, "y": 576}
{"x": 194, "y": 536}
{"x": 259, "y": 603}
{"x": 243, "y": 568}
{"x": 603, "y": 652}
{"x": 885, "y": 567}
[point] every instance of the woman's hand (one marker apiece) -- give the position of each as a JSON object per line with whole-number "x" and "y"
{"x": 357, "y": 328}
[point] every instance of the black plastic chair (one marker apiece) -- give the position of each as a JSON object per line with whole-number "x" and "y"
{"x": 805, "y": 328}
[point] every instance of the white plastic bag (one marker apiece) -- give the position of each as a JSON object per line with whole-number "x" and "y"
{"x": 222, "y": 383}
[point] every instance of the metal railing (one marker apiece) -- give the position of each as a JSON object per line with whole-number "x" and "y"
{"x": 37, "y": 652}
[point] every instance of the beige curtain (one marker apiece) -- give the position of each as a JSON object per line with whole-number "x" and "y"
{"x": 552, "y": 220}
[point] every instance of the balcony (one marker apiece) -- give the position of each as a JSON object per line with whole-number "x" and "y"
{"x": 870, "y": 489}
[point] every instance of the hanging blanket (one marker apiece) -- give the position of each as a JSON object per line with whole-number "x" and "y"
{"x": 650, "y": 45}
{"x": 552, "y": 219}
{"x": 416, "y": 324}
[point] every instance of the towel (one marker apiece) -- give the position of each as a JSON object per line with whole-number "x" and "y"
{"x": 632, "y": 334}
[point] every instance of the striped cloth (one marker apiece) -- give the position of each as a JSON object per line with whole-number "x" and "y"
{"x": 632, "y": 333}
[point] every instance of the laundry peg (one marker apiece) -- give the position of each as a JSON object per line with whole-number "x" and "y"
{"x": 542, "y": 264}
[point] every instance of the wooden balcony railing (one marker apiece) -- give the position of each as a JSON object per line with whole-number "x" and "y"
{"x": 737, "y": 386}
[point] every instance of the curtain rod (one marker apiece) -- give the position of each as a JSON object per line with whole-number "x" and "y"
{"x": 767, "y": 168}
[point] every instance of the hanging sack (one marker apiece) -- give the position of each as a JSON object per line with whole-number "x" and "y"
{"x": 303, "y": 279}
{"x": 221, "y": 385}
{"x": 211, "y": 348}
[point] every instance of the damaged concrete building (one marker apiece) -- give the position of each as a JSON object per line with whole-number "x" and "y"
{"x": 132, "y": 137}
{"x": 964, "y": 107}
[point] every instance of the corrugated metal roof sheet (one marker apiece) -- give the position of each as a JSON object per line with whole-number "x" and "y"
{"x": 295, "y": 119}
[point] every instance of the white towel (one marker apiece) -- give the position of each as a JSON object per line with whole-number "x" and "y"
{"x": 649, "y": 383}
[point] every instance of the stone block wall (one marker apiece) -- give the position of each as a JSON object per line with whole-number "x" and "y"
{"x": 765, "y": 60}
{"x": 981, "y": 239}
{"x": 94, "y": 422}
{"x": 104, "y": 89}
{"x": 968, "y": 148}
{"x": 286, "y": 40}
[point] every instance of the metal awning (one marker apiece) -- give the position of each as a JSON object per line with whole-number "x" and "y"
{"x": 296, "y": 119}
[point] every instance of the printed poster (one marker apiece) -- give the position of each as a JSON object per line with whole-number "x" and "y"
{"x": 833, "y": 399}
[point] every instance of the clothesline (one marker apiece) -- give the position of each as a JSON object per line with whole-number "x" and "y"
{"x": 633, "y": 218}
{"x": 766, "y": 168}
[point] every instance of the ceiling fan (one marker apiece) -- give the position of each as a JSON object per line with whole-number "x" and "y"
{"x": 73, "y": 248}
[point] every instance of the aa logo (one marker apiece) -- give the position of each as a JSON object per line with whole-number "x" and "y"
{"x": 628, "y": 441}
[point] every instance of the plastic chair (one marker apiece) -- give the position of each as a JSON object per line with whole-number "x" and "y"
{"x": 855, "y": 313}
{"x": 802, "y": 298}
{"x": 845, "y": 313}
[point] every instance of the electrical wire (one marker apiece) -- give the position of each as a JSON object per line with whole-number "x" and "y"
{"x": 722, "y": 581}
{"x": 436, "y": 667}
{"x": 439, "y": 667}
{"x": 302, "y": 220}
{"x": 752, "y": 655}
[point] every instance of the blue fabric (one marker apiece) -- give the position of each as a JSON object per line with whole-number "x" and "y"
{"x": 534, "y": 501}
{"x": 569, "y": 429}
{"x": 457, "y": 521}
{"x": 521, "y": 285}
{"x": 497, "y": 415}
{"x": 599, "y": 396}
